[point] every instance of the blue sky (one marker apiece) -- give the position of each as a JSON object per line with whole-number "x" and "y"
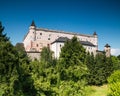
{"x": 81, "y": 16}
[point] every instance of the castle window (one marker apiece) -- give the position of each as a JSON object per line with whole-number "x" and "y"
{"x": 40, "y": 33}
{"x": 48, "y": 45}
{"x": 49, "y": 35}
{"x": 48, "y": 38}
{"x": 60, "y": 45}
{"x": 37, "y": 45}
{"x": 38, "y": 37}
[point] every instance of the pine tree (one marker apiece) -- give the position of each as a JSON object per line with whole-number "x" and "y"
{"x": 47, "y": 57}
{"x": 3, "y": 37}
{"x": 15, "y": 78}
{"x": 71, "y": 68}
{"x": 99, "y": 69}
{"x": 73, "y": 53}
{"x": 8, "y": 63}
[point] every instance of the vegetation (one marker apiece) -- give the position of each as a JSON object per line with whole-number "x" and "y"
{"x": 116, "y": 62}
{"x": 97, "y": 90}
{"x": 100, "y": 68}
{"x": 73, "y": 74}
{"x": 114, "y": 84}
{"x": 15, "y": 78}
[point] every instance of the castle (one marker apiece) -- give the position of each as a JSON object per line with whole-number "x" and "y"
{"x": 37, "y": 38}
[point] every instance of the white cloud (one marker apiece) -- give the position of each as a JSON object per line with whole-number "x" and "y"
{"x": 115, "y": 51}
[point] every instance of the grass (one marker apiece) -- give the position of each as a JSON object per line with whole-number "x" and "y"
{"x": 90, "y": 90}
{"x": 97, "y": 90}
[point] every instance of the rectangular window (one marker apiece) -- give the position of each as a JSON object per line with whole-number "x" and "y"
{"x": 37, "y": 45}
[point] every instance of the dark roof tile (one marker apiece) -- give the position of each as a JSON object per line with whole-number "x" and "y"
{"x": 63, "y": 39}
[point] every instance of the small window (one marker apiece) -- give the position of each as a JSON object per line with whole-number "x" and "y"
{"x": 48, "y": 45}
{"x": 37, "y": 45}
{"x": 60, "y": 45}
{"x": 48, "y": 38}
{"x": 38, "y": 37}
{"x": 40, "y": 33}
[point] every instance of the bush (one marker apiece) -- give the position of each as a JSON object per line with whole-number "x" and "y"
{"x": 114, "y": 84}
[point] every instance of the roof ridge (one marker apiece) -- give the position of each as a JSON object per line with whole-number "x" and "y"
{"x": 60, "y": 31}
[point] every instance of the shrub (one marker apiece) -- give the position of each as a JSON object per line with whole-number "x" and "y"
{"x": 114, "y": 84}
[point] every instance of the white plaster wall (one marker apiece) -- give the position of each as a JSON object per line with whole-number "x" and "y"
{"x": 45, "y": 38}
{"x": 56, "y": 48}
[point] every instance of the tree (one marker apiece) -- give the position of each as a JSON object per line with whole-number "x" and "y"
{"x": 23, "y": 58}
{"x": 118, "y": 57}
{"x": 71, "y": 68}
{"x": 44, "y": 73}
{"x": 114, "y": 84}
{"x": 47, "y": 57}
{"x": 72, "y": 53}
{"x": 99, "y": 68}
{"x": 8, "y": 63}
{"x": 90, "y": 62}
{"x": 116, "y": 62}
{"x": 15, "y": 78}
{"x": 3, "y": 37}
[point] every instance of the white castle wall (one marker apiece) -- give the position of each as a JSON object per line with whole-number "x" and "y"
{"x": 38, "y": 38}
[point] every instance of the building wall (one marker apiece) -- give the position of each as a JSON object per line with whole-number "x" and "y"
{"x": 39, "y": 38}
{"x": 33, "y": 55}
{"x": 56, "y": 48}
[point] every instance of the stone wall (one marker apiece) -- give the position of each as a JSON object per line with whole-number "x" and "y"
{"x": 33, "y": 55}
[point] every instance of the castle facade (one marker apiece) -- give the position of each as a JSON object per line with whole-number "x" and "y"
{"x": 37, "y": 38}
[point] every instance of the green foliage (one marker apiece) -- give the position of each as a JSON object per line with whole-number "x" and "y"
{"x": 8, "y": 63}
{"x": 100, "y": 68}
{"x": 3, "y": 37}
{"x": 15, "y": 78}
{"x": 71, "y": 88}
{"x": 53, "y": 78}
{"x": 71, "y": 67}
{"x": 23, "y": 58}
{"x": 116, "y": 62}
{"x": 47, "y": 57}
{"x": 114, "y": 84}
{"x": 50, "y": 77}
{"x": 118, "y": 57}
{"x": 72, "y": 53}
{"x": 44, "y": 74}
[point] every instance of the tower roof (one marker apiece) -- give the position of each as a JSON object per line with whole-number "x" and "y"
{"x": 61, "y": 39}
{"x": 107, "y": 45}
{"x": 95, "y": 33}
{"x": 32, "y": 24}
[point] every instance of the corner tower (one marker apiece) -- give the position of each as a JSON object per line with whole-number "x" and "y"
{"x": 95, "y": 40}
{"x": 107, "y": 50}
{"x": 32, "y": 31}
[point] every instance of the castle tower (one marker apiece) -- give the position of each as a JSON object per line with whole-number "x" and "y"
{"x": 107, "y": 50}
{"x": 95, "y": 34}
{"x": 32, "y": 30}
{"x": 95, "y": 42}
